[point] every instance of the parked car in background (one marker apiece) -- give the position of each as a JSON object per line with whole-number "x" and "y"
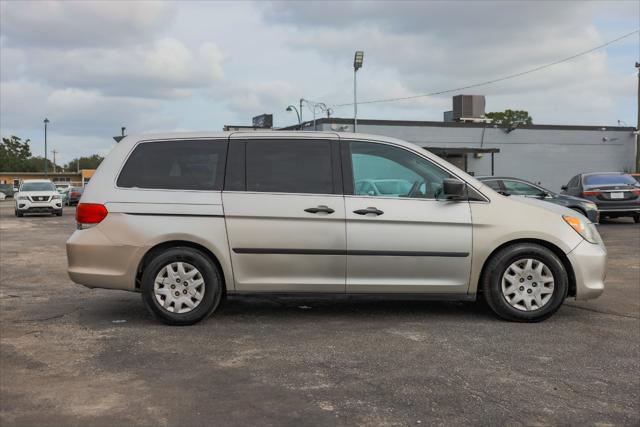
{"x": 73, "y": 195}
{"x": 7, "y": 190}
{"x": 37, "y": 196}
{"x": 519, "y": 187}
{"x": 617, "y": 194}
{"x": 186, "y": 219}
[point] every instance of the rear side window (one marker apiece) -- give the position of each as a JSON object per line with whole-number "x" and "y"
{"x": 175, "y": 165}
{"x": 281, "y": 166}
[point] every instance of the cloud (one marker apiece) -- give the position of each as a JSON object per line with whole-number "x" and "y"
{"x": 93, "y": 66}
{"x": 255, "y": 97}
{"x": 73, "y": 24}
{"x": 75, "y": 111}
{"x": 165, "y": 68}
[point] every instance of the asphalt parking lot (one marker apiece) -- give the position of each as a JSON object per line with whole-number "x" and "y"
{"x": 74, "y": 356}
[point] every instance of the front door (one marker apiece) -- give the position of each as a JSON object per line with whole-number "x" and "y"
{"x": 402, "y": 236}
{"x": 284, "y": 212}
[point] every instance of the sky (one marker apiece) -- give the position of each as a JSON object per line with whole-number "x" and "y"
{"x": 91, "y": 67}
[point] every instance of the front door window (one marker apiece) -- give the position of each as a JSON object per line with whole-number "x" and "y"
{"x": 381, "y": 170}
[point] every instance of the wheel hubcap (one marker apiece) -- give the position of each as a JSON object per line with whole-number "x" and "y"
{"x": 191, "y": 281}
{"x": 527, "y": 284}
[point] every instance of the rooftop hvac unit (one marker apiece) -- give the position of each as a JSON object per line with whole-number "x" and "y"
{"x": 468, "y": 106}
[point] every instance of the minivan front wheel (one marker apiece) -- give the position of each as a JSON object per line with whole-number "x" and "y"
{"x": 525, "y": 283}
{"x": 181, "y": 286}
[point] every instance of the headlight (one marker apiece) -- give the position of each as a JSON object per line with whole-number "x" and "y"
{"x": 56, "y": 196}
{"x": 591, "y": 206}
{"x": 584, "y": 229}
{"x": 23, "y": 198}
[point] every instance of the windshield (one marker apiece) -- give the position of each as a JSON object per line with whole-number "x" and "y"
{"x": 597, "y": 180}
{"x": 37, "y": 186}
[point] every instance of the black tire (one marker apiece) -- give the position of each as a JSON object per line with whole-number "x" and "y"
{"x": 59, "y": 213}
{"x": 498, "y": 264}
{"x": 19, "y": 214}
{"x": 636, "y": 219}
{"x": 212, "y": 282}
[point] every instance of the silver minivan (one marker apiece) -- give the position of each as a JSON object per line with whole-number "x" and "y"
{"x": 186, "y": 219}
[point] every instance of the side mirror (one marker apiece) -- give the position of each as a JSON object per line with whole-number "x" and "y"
{"x": 453, "y": 188}
{"x": 564, "y": 187}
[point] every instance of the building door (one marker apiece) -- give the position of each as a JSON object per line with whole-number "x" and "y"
{"x": 401, "y": 236}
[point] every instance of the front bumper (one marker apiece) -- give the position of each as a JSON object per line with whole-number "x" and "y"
{"x": 589, "y": 262}
{"x": 27, "y": 206}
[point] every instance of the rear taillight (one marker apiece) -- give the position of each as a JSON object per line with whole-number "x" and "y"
{"x": 591, "y": 193}
{"x": 636, "y": 192}
{"x": 74, "y": 194}
{"x": 90, "y": 213}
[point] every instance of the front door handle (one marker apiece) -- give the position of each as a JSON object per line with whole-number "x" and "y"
{"x": 369, "y": 210}
{"x": 318, "y": 209}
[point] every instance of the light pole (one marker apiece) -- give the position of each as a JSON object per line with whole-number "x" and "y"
{"x": 314, "y": 107}
{"x": 358, "y": 59}
{"x": 293, "y": 108}
{"x": 46, "y": 167}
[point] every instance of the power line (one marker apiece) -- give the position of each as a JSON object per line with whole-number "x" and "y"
{"x": 488, "y": 82}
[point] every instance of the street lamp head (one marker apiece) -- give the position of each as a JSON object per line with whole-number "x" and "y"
{"x": 289, "y": 108}
{"x": 46, "y": 120}
{"x": 357, "y": 60}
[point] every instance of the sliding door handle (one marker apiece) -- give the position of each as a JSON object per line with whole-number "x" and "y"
{"x": 369, "y": 210}
{"x": 318, "y": 209}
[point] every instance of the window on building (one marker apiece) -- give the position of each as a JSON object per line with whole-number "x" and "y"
{"x": 383, "y": 170}
{"x": 289, "y": 166}
{"x": 175, "y": 165}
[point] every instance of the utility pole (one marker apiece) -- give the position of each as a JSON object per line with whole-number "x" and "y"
{"x": 358, "y": 59}
{"x": 301, "y": 122}
{"x": 46, "y": 167}
{"x": 54, "y": 152}
{"x": 638, "y": 123}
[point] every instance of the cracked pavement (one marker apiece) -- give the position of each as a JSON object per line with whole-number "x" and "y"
{"x": 75, "y": 356}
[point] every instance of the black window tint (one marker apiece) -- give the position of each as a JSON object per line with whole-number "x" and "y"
{"x": 175, "y": 165}
{"x": 234, "y": 179}
{"x": 289, "y": 166}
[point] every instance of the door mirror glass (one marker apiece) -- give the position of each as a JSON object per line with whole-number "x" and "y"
{"x": 453, "y": 188}
{"x": 564, "y": 187}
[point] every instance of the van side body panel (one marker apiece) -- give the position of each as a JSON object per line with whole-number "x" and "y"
{"x": 506, "y": 219}
{"x": 108, "y": 255}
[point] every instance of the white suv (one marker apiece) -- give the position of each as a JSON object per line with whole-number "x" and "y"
{"x": 38, "y": 196}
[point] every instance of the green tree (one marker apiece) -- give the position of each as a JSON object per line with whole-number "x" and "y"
{"x": 507, "y": 118}
{"x": 14, "y": 154}
{"x": 36, "y": 164}
{"x": 91, "y": 162}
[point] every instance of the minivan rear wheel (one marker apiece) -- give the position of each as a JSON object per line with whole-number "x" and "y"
{"x": 181, "y": 286}
{"x": 525, "y": 282}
